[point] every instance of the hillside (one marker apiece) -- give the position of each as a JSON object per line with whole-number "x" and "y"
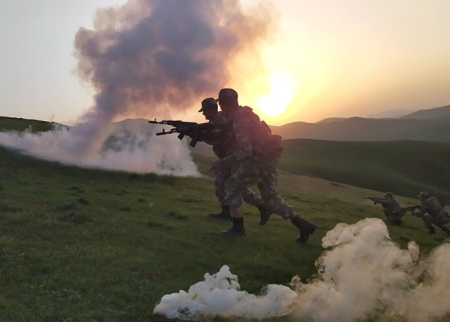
{"x": 389, "y": 114}
{"x": 91, "y": 245}
{"x": 424, "y": 125}
{"x": 439, "y": 112}
{"x": 402, "y": 167}
{"x": 20, "y": 124}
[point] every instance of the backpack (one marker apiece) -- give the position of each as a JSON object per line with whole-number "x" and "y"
{"x": 263, "y": 141}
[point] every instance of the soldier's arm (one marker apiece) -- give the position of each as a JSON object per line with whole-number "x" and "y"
{"x": 422, "y": 211}
{"x": 212, "y": 137}
{"x": 378, "y": 200}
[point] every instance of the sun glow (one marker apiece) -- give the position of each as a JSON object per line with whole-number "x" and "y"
{"x": 280, "y": 94}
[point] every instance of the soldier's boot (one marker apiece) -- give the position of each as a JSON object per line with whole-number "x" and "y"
{"x": 224, "y": 214}
{"x": 445, "y": 230}
{"x": 432, "y": 231}
{"x": 237, "y": 229}
{"x": 306, "y": 228}
{"x": 264, "y": 215}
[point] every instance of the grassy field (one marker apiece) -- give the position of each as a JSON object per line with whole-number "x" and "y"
{"x": 91, "y": 245}
{"x": 402, "y": 167}
{"x": 20, "y": 124}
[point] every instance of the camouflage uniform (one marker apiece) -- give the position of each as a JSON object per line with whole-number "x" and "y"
{"x": 223, "y": 145}
{"x": 254, "y": 160}
{"x": 432, "y": 212}
{"x": 391, "y": 208}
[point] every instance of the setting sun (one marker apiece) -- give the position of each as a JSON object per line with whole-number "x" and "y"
{"x": 280, "y": 94}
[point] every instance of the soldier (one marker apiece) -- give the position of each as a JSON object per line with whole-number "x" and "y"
{"x": 432, "y": 212}
{"x": 222, "y": 143}
{"x": 254, "y": 160}
{"x": 392, "y": 211}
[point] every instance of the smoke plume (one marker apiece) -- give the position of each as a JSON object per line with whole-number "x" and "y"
{"x": 363, "y": 276}
{"x": 153, "y": 59}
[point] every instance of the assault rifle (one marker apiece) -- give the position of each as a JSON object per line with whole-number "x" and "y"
{"x": 194, "y": 130}
{"x": 411, "y": 208}
{"x": 374, "y": 199}
{"x": 402, "y": 211}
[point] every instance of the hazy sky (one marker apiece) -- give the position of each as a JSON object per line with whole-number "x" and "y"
{"x": 329, "y": 59}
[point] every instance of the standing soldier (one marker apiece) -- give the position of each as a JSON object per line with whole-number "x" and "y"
{"x": 222, "y": 144}
{"x": 432, "y": 212}
{"x": 254, "y": 160}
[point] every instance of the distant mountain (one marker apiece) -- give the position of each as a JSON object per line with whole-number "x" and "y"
{"x": 424, "y": 125}
{"x": 333, "y": 119}
{"x": 385, "y": 114}
{"x": 390, "y": 114}
{"x": 432, "y": 113}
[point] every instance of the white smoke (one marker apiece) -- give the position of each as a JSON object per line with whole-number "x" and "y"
{"x": 364, "y": 276}
{"x": 127, "y": 146}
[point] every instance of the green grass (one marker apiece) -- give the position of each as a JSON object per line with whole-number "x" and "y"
{"x": 20, "y": 124}
{"x": 402, "y": 167}
{"x": 90, "y": 245}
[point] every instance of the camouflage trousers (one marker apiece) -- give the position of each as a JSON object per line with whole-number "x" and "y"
{"x": 393, "y": 217}
{"x": 396, "y": 220}
{"x": 440, "y": 222}
{"x": 263, "y": 173}
{"x": 248, "y": 194}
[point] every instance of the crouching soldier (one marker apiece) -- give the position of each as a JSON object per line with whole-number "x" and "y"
{"x": 432, "y": 212}
{"x": 391, "y": 209}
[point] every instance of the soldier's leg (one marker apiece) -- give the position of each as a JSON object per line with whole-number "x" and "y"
{"x": 445, "y": 230}
{"x": 234, "y": 186}
{"x": 395, "y": 220}
{"x": 219, "y": 185}
{"x": 249, "y": 196}
{"x": 441, "y": 222}
{"x": 253, "y": 199}
{"x": 427, "y": 220}
{"x": 268, "y": 188}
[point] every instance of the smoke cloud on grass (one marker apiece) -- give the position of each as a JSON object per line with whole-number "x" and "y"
{"x": 126, "y": 146}
{"x": 362, "y": 276}
{"x": 152, "y": 59}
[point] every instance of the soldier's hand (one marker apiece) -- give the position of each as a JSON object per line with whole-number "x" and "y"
{"x": 216, "y": 167}
{"x": 184, "y": 130}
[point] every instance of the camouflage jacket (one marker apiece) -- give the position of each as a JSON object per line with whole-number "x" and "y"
{"x": 433, "y": 207}
{"x": 221, "y": 140}
{"x": 390, "y": 204}
{"x": 252, "y": 137}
